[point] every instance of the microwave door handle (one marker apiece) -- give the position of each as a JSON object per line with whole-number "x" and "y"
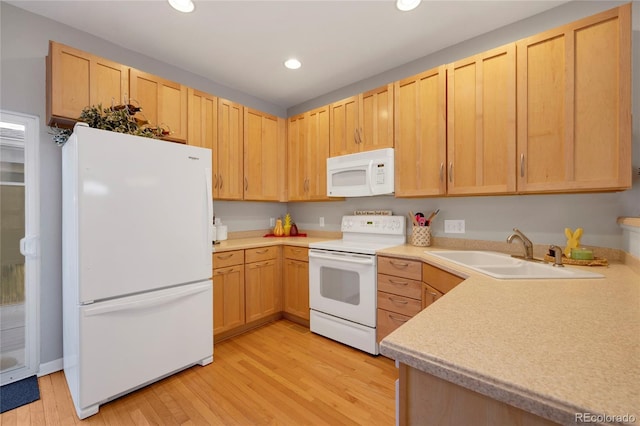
{"x": 370, "y": 173}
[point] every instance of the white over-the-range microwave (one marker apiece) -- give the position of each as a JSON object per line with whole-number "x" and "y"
{"x": 362, "y": 174}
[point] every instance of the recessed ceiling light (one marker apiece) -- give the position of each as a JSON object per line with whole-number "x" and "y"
{"x": 292, "y": 64}
{"x": 185, "y": 6}
{"x": 407, "y": 5}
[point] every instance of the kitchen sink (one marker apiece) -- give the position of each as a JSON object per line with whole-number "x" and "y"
{"x": 505, "y": 267}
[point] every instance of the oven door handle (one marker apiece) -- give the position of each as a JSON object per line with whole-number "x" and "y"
{"x": 343, "y": 258}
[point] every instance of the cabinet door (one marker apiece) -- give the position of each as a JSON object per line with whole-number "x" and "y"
{"x": 376, "y": 119}
{"x": 345, "y": 131}
{"x": 296, "y": 288}
{"x": 76, "y": 79}
{"x": 296, "y": 158}
{"x": 429, "y": 295}
{"x": 230, "y": 150}
{"x": 163, "y": 103}
{"x": 574, "y": 108}
{"x": 203, "y": 127}
{"x": 317, "y": 153}
{"x": 264, "y": 156}
{"x": 228, "y": 298}
{"x": 263, "y": 290}
{"x": 481, "y": 120}
{"x": 420, "y": 134}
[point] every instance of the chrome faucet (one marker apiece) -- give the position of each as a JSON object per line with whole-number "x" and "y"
{"x": 526, "y": 242}
{"x": 557, "y": 252}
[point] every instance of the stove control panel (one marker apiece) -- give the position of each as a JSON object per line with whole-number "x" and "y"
{"x": 392, "y": 225}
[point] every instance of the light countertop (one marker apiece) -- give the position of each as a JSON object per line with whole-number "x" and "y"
{"x": 255, "y": 242}
{"x": 550, "y": 347}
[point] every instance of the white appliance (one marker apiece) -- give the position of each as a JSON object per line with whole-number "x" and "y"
{"x": 343, "y": 279}
{"x": 362, "y": 174}
{"x": 137, "y": 290}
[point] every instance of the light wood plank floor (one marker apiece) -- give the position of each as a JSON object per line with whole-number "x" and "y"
{"x": 279, "y": 374}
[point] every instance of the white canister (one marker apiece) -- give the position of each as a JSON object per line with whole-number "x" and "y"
{"x": 221, "y": 232}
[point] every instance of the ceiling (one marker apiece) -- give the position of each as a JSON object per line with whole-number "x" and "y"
{"x": 242, "y": 44}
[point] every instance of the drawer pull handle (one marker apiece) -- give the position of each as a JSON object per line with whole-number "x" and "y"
{"x": 225, "y": 271}
{"x": 401, "y": 302}
{"x": 397, "y": 318}
{"x": 225, "y": 257}
{"x": 399, "y": 282}
{"x": 399, "y": 264}
{"x": 262, "y": 251}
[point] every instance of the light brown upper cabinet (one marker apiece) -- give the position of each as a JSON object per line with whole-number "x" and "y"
{"x": 203, "y": 127}
{"x": 76, "y": 79}
{"x": 363, "y": 122}
{"x": 420, "y": 134}
{"x": 574, "y": 106}
{"x": 163, "y": 103}
{"x": 230, "y": 143}
{"x": 308, "y": 150}
{"x": 481, "y": 123}
{"x": 264, "y": 156}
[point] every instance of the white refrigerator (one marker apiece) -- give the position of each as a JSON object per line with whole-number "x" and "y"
{"x": 137, "y": 289}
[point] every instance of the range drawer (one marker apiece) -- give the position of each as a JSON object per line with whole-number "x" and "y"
{"x": 399, "y": 304}
{"x": 388, "y": 322}
{"x": 400, "y": 267}
{"x": 260, "y": 254}
{"x": 228, "y": 258}
{"x": 398, "y": 285}
{"x": 296, "y": 253}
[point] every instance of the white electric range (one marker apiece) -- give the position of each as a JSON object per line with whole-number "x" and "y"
{"x": 343, "y": 279}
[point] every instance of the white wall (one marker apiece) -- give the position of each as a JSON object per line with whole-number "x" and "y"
{"x": 23, "y": 46}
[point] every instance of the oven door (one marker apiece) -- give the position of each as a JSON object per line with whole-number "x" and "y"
{"x": 343, "y": 285}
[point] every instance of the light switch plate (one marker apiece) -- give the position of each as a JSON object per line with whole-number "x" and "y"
{"x": 321, "y": 221}
{"x": 454, "y": 226}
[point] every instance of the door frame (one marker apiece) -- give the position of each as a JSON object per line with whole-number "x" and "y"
{"x": 29, "y": 245}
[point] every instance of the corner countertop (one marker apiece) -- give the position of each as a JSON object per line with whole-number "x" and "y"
{"x": 550, "y": 347}
{"x": 256, "y": 242}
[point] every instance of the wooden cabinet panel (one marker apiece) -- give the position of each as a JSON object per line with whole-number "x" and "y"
{"x": 230, "y": 149}
{"x": 260, "y": 254}
{"x": 405, "y": 268}
{"x": 420, "y": 134}
{"x": 76, "y": 79}
{"x": 163, "y": 102}
{"x": 481, "y": 119}
{"x": 376, "y": 118}
{"x": 345, "y": 129}
{"x": 574, "y": 116}
{"x": 388, "y": 322}
{"x": 296, "y": 288}
{"x": 440, "y": 280}
{"x": 228, "y": 258}
{"x": 308, "y": 150}
{"x": 203, "y": 127}
{"x": 263, "y": 289}
{"x": 429, "y": 295}
{"x": 264, "y": 156}
{"x": 228, "y": 298}
{"x": 400, "y": 286}
{"x": 296, "y": 253}
{"x": 399, "y": 304}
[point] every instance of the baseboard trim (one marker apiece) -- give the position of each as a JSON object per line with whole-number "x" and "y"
{"x": 50, "y": 367}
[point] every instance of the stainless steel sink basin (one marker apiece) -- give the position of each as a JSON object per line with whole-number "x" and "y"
{"x": 503, "y": 266}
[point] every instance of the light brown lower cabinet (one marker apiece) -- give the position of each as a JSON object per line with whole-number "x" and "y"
{"x": 263, "y": 283}
{"x": 424, "y": 396}
{"x": 228, "y": 291}
{"x": 295, "y": 275}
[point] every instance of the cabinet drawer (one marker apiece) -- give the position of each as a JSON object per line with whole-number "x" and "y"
{"x": 399, "y": 304}
{"x": 296, "y": 253}
{"x": 228, "y": 258}
{"x": 388, "y": 322}
{"x": 260, "y": 254}
{"x": 401, "y": 286}
{"x": 400, "y": 267}
{"x": 440, "y": 280}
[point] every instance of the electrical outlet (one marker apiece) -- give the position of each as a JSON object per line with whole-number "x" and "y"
{"x": 321, "y": 221}
{"x": 454, "y": 226}
{"x": 272, "y": 222}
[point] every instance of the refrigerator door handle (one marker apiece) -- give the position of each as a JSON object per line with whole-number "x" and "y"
{"x": 209, "y": 198}
{"x": 143, "y": 303}
{"x": 29, "y": 246}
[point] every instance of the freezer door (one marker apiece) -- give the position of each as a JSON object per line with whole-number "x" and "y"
{"x": 129, "y": 342}
{"x": 139, "y": 214}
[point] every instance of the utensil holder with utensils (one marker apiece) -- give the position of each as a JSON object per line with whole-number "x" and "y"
{"x": 420, "y": 236}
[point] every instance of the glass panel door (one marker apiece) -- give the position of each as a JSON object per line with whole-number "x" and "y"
{"x": 18, "y": 315}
